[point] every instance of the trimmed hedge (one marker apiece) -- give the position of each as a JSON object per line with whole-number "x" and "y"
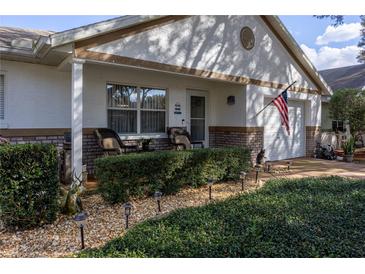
{"x": 139, "y": 174}
{"x": 313, "y": 217}
{"x": 29, "y": 185}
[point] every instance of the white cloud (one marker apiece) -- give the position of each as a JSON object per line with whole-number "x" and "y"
{"x": 327, "y": 57}
{"x": 340, "y": 33}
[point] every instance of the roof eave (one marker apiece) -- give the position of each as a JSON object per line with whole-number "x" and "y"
{"x": 88, "y": 31}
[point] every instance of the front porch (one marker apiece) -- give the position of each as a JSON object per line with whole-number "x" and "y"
{"x": 142, "y": 104}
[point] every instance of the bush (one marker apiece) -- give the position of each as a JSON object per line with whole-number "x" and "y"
{"x": 313, "y": 217}
{"x": 120, "y": 177}
{"x": 29, "y": 185}
{"x": 349, "y": 104}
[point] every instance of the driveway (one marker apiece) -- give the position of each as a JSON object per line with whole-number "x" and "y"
{"x": 308, "y": 167}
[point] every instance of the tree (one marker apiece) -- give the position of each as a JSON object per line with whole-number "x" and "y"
{"x": 349, "y": 104}
{"x": 361, "y": 44}
{"x": 339, "y": 20}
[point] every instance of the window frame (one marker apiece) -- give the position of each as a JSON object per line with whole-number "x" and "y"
{"x": 140, "y": 134}
{"x": 337, "y": 127}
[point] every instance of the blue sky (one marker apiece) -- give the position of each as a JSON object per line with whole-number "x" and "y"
{"x": 327, "y": 47}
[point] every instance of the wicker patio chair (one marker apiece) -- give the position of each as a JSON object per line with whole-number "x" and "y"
{"x": 181, "y": 139}
{"x": 111, "y": 143}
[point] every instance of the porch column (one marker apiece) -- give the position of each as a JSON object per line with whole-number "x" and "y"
{"x": 76, "y": 117}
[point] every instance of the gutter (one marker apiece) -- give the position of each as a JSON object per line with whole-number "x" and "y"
{"x": 39, "y": 50}
{"x": 43, "y": 44}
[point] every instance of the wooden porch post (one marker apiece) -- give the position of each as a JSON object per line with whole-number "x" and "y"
{"x": 76, "y": 116}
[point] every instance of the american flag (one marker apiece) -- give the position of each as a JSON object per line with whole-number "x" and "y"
{"x": 281, "y": 102}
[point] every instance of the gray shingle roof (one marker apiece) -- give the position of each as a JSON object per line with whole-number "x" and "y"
{"x": 345, "y": 77}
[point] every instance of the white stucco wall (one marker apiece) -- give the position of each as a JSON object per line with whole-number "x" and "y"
{"x": 39, "y": 96}
{"x": 212, "y": 43}
{"x": 219, "y": 113}
{"x": 36, "y": 96}
{"x": 255, "y": 96}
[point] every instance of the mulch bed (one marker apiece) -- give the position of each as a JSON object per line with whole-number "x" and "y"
{"x": 104, "y": 223}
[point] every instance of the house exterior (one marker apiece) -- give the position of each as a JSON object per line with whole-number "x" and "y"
{"x": 143, "y": 74}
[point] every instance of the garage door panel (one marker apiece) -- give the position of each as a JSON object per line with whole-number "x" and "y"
{"x": 278, "y": 144}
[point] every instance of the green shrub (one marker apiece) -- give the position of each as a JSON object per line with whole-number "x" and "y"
{"x": 29, "y": 185}
{"x": 140, "y": 174}
{"x": 313, "y": 217}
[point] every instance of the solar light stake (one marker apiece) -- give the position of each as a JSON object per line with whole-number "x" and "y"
{"x": 242, "y": 177}
{"x": 127, "y": 212}
{"x": 289, "y": 164}
{"x": 158, "y": 196}
{"x": 268, "y": 167}
{"x": 82, "y": 236}
{"x": 80, "y": 219}
{"x": 210, "y": 183}
{"x": 257, "y": 168}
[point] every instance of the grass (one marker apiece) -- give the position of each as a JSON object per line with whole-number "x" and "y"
{"x": 313, "y": 217}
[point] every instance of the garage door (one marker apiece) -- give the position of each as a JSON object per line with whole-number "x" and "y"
{"x": 278, "y": 144}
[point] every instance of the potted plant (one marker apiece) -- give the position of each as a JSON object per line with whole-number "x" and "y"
{"x": 348, "y": 150}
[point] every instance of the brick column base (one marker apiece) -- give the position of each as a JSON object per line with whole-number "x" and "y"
{"x": 312, "y": 134}
{"x": 250, "y": 137}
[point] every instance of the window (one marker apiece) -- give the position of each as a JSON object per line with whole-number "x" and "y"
{"x": 2, "y": 96}
{"x": 337, "y": 125}
{"x": 133, "y": 109}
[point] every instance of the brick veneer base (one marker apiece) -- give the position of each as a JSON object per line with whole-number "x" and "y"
{"x": 312, "y": 134}
{"x": 251, "y": 137}
{"x": 90, "y": 148}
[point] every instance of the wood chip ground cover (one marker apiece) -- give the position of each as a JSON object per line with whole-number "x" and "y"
{"x": 104, "y": 223}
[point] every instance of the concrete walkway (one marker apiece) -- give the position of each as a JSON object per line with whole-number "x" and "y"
{"x": 308, "y": 167}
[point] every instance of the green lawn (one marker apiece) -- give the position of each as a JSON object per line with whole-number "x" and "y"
{"x": 314, "y": 217}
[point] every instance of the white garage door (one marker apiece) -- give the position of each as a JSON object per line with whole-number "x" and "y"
{"x": 278, "y": 144}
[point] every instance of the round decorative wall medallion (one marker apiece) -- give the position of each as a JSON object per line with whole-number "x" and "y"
{"x": 247, "y": 38}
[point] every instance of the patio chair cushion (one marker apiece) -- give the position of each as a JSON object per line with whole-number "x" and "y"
{"x": 183, "y": 140}
{"x": 110, "y": 143}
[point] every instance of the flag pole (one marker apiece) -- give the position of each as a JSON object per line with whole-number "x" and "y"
{"x": 275, "y": 98}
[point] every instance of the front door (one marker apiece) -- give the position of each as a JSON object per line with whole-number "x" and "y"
{"x": 197, "y": 126}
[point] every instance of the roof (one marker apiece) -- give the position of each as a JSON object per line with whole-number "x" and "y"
{"x": 91, "y": 30}
{"x": 43, "y": 41}
{"x": 10, "y": 35}
{"x": 345, "y": 77}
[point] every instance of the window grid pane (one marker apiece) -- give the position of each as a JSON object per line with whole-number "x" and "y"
{"x": 123, "y": 121}
{"x": 152, "y": 121}
{"x": 124, "y": 111}
{"x": 152, "y": 98}
{"x": 122, "y": 96}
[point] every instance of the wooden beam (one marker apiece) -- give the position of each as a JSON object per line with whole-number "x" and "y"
{"x": 116, "y": 59}
{"x": 229, "y": 129}
{"x": 39, "y": 132}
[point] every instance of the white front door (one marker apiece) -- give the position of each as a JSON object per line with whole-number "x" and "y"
{"x": 277, "y": 143}
{"x": 197, "y": 111}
